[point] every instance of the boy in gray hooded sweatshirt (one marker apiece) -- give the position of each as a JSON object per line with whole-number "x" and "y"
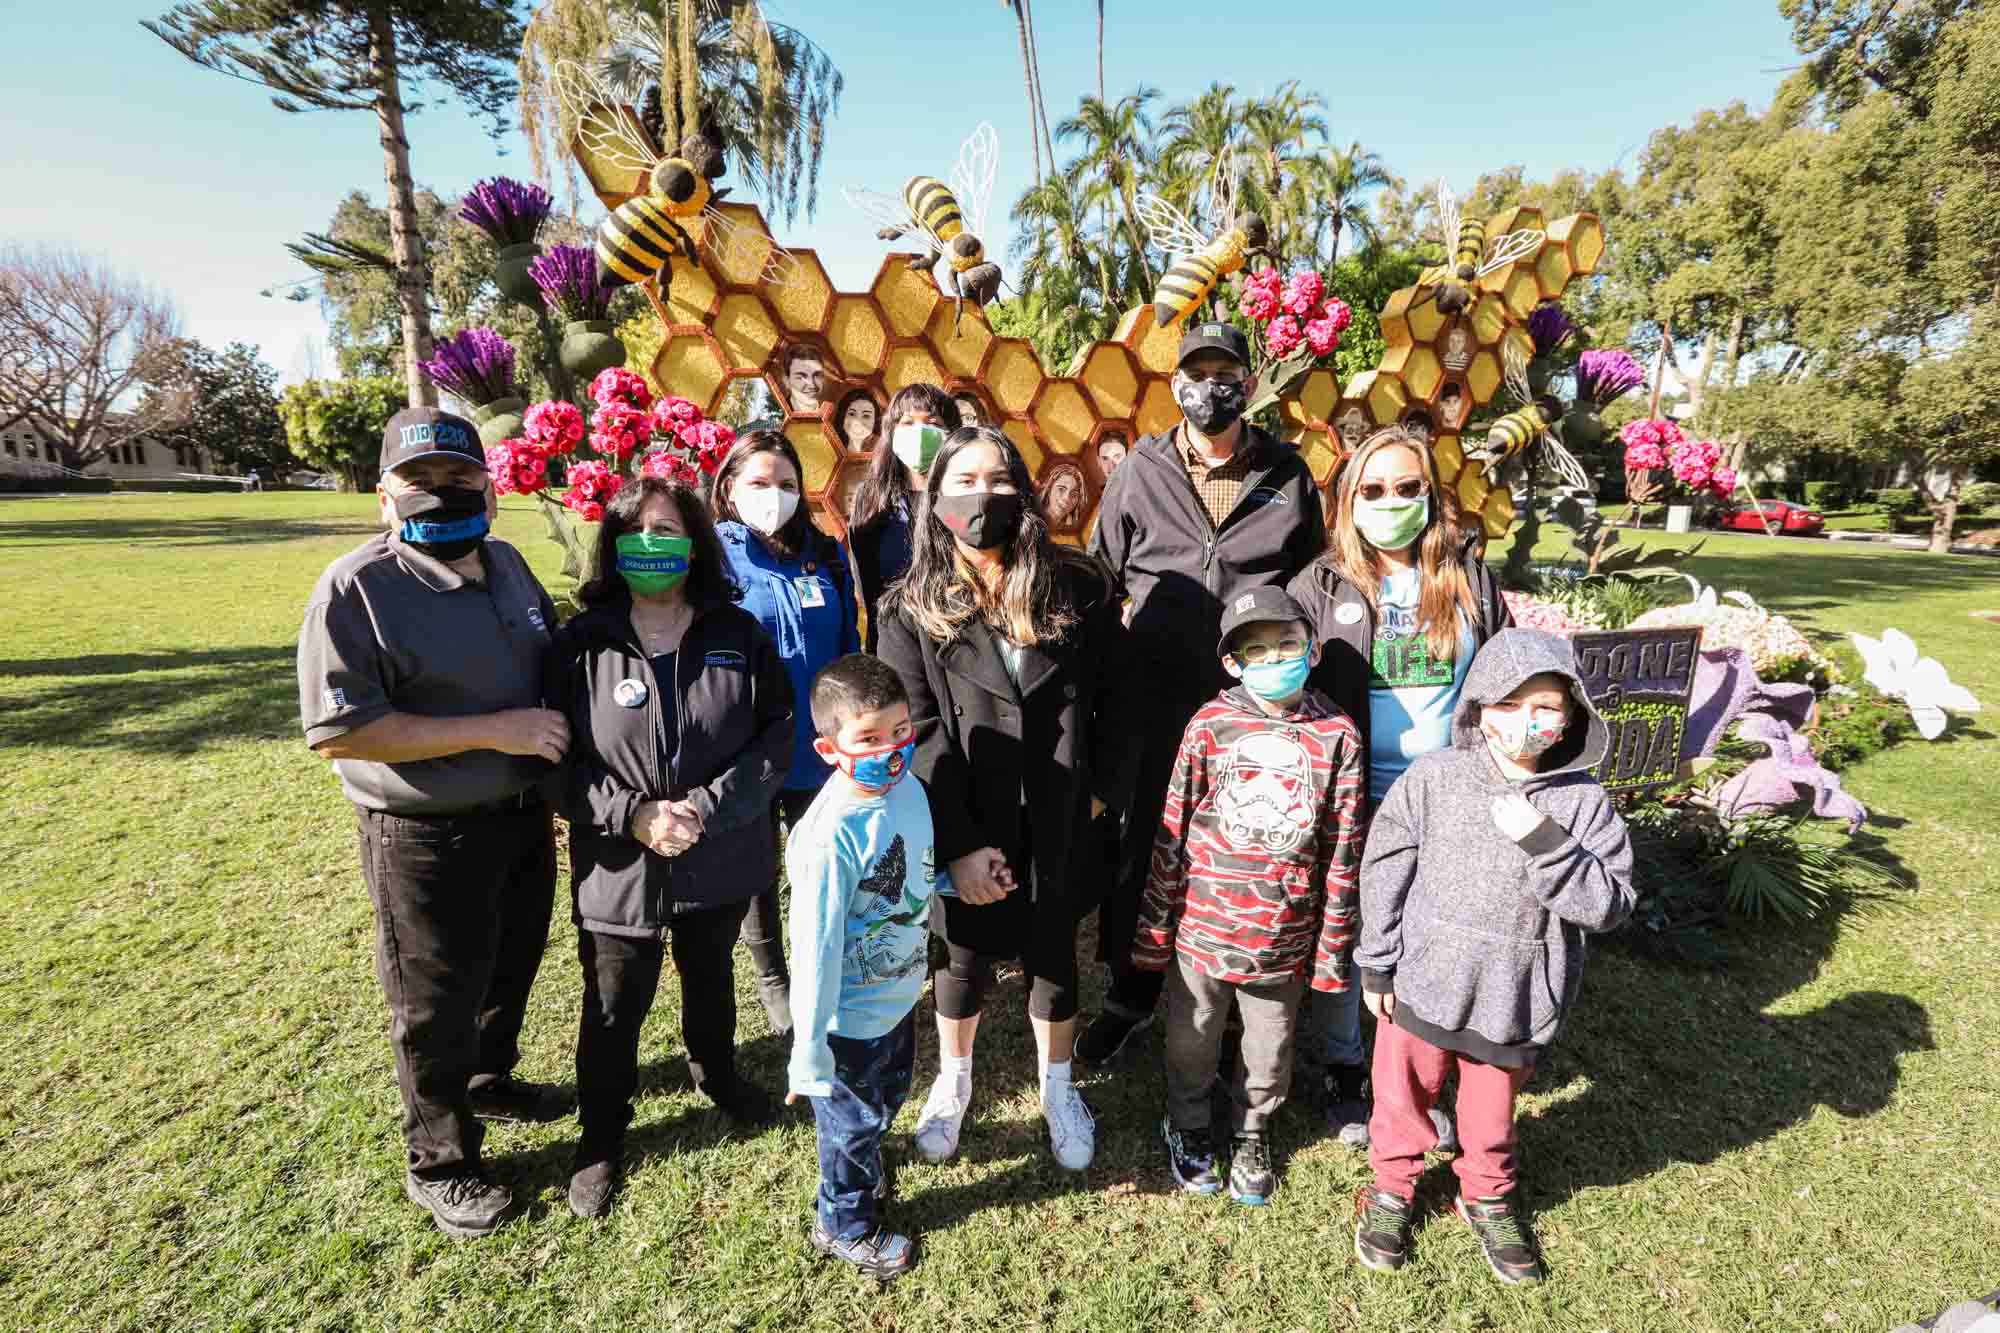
{"x": 1485, "y": 866}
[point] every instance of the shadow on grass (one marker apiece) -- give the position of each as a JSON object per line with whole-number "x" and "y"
{"x": 156, "y": 703}
{"x": 252, "y": 530}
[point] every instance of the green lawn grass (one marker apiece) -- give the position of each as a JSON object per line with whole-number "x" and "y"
{"x": 200, "y": 1112}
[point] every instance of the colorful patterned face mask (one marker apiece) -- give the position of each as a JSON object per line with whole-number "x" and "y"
{"x": 1524, "y": 734}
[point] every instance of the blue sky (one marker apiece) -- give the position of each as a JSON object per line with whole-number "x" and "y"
{"x": 121, "y": 148}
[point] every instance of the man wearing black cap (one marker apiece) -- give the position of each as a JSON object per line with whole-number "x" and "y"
{"x": 1193, "y": 518}
{"x": 421, "y": 676}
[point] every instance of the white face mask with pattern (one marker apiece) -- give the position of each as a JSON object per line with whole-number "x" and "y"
{"x": 1525, "y": 733}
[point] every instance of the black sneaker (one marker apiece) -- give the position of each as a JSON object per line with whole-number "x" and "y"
{"x": 1251, "y": 1177}
{"x": 594, "y": 1175}
{"x": 883, "y": 1255}
{"x": 465, "y": 1204}
{"x": 775, "y": 994}
{"x": 506, "y": 1098}
{"x": 1504, "y": 1236}
{"x": 1381, "y": 1229}
{"x": 1349, "y": 1103}
{"x": 743, "y": 1102}
{"x": 1191, "y": 1157}
{"x": 1105, "y": 1036}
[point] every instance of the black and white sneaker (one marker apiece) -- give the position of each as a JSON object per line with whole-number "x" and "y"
{"x": 882, "y": 1254}
{"x": 1381, "y": 1229}
{"x": 1504, "y": 1237}
{"x": 1349, "y": 1103}
{"x": 1191, "y": 1157}
{"x": 465, "y": 1204}
{"x": 1106, "y": 1035}
{"x": 1252, "y": 1179}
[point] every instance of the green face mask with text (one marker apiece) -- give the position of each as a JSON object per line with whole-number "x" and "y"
{"x": 652, "y": 562}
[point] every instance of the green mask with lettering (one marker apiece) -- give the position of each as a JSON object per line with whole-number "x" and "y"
{"x": 652, "y": 562}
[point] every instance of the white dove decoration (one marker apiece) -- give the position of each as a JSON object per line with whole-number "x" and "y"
{"x": 1704, "y": 598}
{"x": 1894, "y": 668}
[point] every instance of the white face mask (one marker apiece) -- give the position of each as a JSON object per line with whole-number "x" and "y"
{"x": 916, "y": 445}
{"x": 765, "y": 508}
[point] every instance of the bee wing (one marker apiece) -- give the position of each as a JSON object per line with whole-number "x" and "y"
{"x": 1169, "y": 228}
{"x": 1504, "y": 250}
{"x": 1514, "y": 364}
{"x": 1562, "y": 462}
{"x": 1225, "y": 187}
{"x": 1447, "y": 206}
{"x": 884, "y": 210}
{"x": 972, "y": 178}
{"x": 736, "y": 248}
{"x": 606, "y": 129}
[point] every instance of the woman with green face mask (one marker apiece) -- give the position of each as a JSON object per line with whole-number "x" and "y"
{"x": 681, "y": 711}
{"x": 1400, "y": 603}
{"x": 878, "y": 527}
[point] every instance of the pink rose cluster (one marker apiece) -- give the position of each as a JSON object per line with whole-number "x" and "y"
{"x": 1647, "y": 441}
{"x": 1533, "y": 613}
{"x": 667, "y": 465}
{"x": 1697, "y": 465}
{"x": 591, "y": 485}
{"x": 617, "y": 428}
{"x": 1294, "y": 312}
{"x": 553, "y": 427}
{"x": 617, "y": 385}
{"x": 517, "y": 467}
{"x": 1263, "y": 295}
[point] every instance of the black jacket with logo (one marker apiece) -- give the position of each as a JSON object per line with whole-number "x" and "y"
{"x": 734, "y": 711}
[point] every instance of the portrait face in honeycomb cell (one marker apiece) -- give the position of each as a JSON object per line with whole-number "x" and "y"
{"x": 1353, "y": 428}
{"x": 1451, "y": 407}
{"x": 1458, "y": 348}
{"x": 840, "y": 499}
{"x": 856, "y": 421}
{"x": 970, "y": 413}
{"x": 805, "y": 378}
{"x": 1110, "y": 453}
{"x": 1064, "y": 494}
{"x": 1420, "y": 422}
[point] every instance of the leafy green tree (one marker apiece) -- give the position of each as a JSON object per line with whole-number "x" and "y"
{"x": 358, "y": 55}
{"x": 232, "y": 409}
{"x": 336, "y": 425}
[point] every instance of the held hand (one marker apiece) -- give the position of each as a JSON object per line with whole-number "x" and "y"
{"x": 791, "y": 1099}
{"x": 530, "y": 731}
{"x": 1097, "y": 807}
{"x": 1382, "y": 1006}
{"x": 974, "y": 877}
{"x": 1515, "y": 815}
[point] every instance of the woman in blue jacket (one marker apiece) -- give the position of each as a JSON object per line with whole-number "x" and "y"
{"x": 795, "y": 582}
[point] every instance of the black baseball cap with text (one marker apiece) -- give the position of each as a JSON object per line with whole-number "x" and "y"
{"x": 429, "y": 432}
{"x": 1255, "y": 607}
{"x": 1224, "y": 338}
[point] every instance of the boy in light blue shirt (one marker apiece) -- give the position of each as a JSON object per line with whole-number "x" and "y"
{"x": 862, "y": 867}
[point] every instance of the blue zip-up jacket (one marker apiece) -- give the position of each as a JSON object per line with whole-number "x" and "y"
{"x": 808, "y": 637}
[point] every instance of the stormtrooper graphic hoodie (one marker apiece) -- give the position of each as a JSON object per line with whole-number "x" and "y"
{"x": 1255, "y": 866}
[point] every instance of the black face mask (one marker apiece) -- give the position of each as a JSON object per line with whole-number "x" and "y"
{"x": 1211, "y": 405}
{"x": 447, "y": 522}
{"x": 983, "y": 520}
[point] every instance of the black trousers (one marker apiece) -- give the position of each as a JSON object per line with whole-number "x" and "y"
{"x": 621, "y": 976}
{"x": 462, "y": 907}
{"x": 764, "y": 924}
{"x": 1135, "y": 991}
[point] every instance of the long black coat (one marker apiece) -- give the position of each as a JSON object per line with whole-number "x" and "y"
{"x": 1016, "y": 770}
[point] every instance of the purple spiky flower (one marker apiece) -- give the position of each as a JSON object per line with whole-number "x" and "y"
{"x": 567, "y": 275}
{"x": 476, "y": 364}
{"x": 508, "y": 211}
{"x": 1603, "y": 376}
{"x": 1548, "y": 326}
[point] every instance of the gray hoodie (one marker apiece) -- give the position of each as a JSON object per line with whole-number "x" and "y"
{"x": 1480, "y": 937}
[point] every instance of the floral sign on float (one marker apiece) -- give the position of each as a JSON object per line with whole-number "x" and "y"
{"x": 1640, "y": 681}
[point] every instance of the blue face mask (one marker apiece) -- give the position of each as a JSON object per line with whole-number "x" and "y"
{"x": 1274, "y": 681}
{"x": 877, "y": 770}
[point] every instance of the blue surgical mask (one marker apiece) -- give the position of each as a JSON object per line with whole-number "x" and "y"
{"x": 877, "y": 770}
{"x": 1276, "y": 681}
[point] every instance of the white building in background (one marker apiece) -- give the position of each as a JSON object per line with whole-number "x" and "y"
{"x": 23, "y": 451}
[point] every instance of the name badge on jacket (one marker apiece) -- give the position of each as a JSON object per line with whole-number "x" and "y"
{"x": 811, "y": 593}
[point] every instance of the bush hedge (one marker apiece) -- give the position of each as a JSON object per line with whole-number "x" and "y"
{"x": 1899, "y": 500}
{"x": 174, "y": 485}
{"x": 15, "y": 484}
{"x": 1979, "y": 495}
{"x": 1825, "y": 495}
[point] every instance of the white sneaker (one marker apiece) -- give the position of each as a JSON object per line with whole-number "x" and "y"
{"x": 941, "y": 1119}
{"x": 1072, "y": 1129}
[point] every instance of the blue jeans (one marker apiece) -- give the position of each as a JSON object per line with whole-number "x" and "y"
{"x": 1333, "y": 1024}
{"x": 871, "y": 1081}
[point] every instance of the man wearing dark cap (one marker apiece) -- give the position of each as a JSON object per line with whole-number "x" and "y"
{"x": 422, "y": 675}
{"x": 1193, "y": 518}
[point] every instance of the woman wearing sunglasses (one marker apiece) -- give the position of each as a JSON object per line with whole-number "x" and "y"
{"x": 1400, "y": 603}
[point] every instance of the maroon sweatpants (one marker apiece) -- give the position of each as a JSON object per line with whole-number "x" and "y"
{"x": 1408, "y": 1073}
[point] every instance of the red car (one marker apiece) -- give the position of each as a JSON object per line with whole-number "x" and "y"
{"x": 1782, "y": 516}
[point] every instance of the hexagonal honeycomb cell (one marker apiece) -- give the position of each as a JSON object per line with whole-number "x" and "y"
{"x": 1472, "y": 488}
{"x": 1108, "y": 448}
{"x": 1319, "y": 454}
{"x": 1520, "y": 217}
{"x": 1423, "y": 373}
{"x": 1352, "y": 424}
{"x": 838, "y": 497}
{"x": 1395, "y": 316}
{"x": 1488, "y": 319}
{"x": 691, "y": 365}
{"x": 1157, "y": 348}
{"x": 1583, "y": 233}
{"x": 1112, "y": 377}
{"x": 1553, "y": 270}
{"x": 911, "y": 364}
{"x": 1449, "y": 457}
{"x": 1384, "y": 395}
{"x": 746, "y": 331}
{"x": 1318, "y": 392}
{"x": 1063, "y": 486}
{"x": 1292, "y": 415}
{"x": 857, "y": 337}
{"x": 1063, "y": 415}
{"x": 961, "y": 349}
{"x": 905, "y": 297}
{"x": 692, "y": 297}
{"x": 1483, "y": 377}
{"x": 817, "y": 454}
{"x": 1453, "y": 405}
{"x": 1522, "y": 292}
{"x": 1157, "y": 409}
{"x": 1023, "y": 436}
{"x": 804, "y": 296}
{"x": 963, "y": 390}
{"x": 613, "y": 181}
{"x": 1013, "y": 375}
{"x": 743, "y": 256}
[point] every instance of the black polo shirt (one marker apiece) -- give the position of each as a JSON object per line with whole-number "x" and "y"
{"x": 390, "y": 629}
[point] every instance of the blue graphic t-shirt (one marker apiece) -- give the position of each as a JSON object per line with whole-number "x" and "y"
{"x": 863, "y": 870}
{"x": 1411, "y": 696}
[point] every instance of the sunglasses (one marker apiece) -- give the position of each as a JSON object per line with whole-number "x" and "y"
{"x": 1409, "y": 488}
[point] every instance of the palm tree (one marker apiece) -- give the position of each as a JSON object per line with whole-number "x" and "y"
{"x": 1277, "y": 138}
{"x": 1100, "y": 50}
{"x": 1339, "y": 180}
{"x": 1038, "y": 115}
{"x": 764, "y": 92}
{"x": 1053, "y": 233}
{"x": 1199, "y": 139}
{"x": 1116, "y": 154}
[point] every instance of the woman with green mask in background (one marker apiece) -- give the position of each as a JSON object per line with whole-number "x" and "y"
{"x": 681, "y": 716}
{"x": 1399, "y": 603}
{"x": 878, "y": 528}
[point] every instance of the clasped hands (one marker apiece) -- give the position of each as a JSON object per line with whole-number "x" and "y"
{"x": 981, "y": 877}
{"x": 667, "y": 827}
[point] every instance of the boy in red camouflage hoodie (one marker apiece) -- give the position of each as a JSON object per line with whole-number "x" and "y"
{"x": 1253, "y": 885}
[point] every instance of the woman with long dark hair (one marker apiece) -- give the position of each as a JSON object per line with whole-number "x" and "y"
{"x": 879, "y": 525}
{"x": 1400, "y": 603}
{"x": 1012, "y": 649}
{"x": 795, "y": 582}
{"x": 680, "y": 715}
